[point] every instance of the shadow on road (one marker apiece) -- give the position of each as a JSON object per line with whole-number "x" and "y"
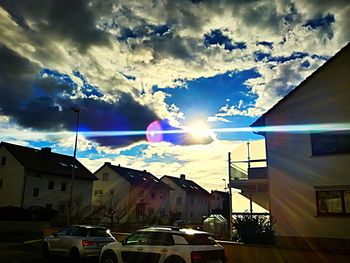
{"x": 31, "y": 253}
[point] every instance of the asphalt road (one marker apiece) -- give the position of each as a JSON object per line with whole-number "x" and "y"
{"x": 29, "y": 253}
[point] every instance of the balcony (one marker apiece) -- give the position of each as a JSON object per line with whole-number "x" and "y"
{"x": 252, "y": 183}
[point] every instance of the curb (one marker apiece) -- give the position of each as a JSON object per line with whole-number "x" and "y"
{"x": 31, "y": 241}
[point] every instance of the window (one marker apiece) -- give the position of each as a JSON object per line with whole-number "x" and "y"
{"x": 111, "y": 191}
{"x": 160, "y": 239}
{"x": 178, "y": 200}
{"x": 61, "y": 207}
{"x": 95, "y": 192}
{"x": 153, "y": 195}
{"x": 330, "y": 143}
{"x": 36, "y": 192}
{"x": 105, "y": 177}
{"x": 333, "y": 202}
{"x": 51, "y": 185}
{"x": 63, "y": 187}
{"x": 3, "y": 161}
{"x": 1, "y": 183}
{"x": 49, "y": 206}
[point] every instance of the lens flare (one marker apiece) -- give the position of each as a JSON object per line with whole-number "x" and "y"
{"x": 154, "y": 132}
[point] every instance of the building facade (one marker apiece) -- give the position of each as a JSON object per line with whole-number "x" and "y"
{"x": 138, "y": 193}
{"x": 308, "y": 177}
{"x": 40, "y": 178}
{"x": 187, "y": 199}
{"x": 219, "y": 203}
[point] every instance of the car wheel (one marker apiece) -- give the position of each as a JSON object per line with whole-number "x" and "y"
{"x": 45, "y": 252}
{"x": 174, "y": 259}
{"x": 74, "y": 255}
{"x": 109, "y": 257}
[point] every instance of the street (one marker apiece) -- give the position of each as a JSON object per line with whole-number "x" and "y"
{"x": 29, "y": 253}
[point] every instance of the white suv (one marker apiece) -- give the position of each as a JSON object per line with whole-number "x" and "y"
{"x": 165, "y": 245}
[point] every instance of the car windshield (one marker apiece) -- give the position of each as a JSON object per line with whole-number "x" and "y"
{"x": 94, "y": 232}
{"x": 200, "y": 239}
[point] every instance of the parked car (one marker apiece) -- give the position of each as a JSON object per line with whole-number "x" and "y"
{"x": 77, "y": 241}
{"x": 165, "y": 245}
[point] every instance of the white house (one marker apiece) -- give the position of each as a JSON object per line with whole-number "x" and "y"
{"x": 188, "y": 199}
{"x": 308, "y": 173}
{"x": 38, "y": 177}
{"x": 219, "y": 203}
{"x": 139, "y": 193}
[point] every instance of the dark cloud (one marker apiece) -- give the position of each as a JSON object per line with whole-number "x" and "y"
{"x": 58, "y": 19}
{"x": 43, "y": 103}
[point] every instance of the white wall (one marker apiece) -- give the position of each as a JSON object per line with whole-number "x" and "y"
{"x": 115, "y": 182}
{"x": 292, "y": 170}
{"x": 174, "y": 194}
{"x": 12, "y": 175}
{"x": 82, "y": 188}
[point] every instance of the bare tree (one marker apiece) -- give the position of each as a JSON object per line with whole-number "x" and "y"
{"x": 111, "y": 209}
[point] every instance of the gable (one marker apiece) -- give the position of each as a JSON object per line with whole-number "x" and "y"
{"x": 330, "y": 79}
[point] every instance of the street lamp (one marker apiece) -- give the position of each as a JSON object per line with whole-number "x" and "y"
{"x": 77, "y": 111}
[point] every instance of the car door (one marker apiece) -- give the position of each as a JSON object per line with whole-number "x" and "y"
{"x": 56, "y": 242}
{"x": 133, "y": 247}
{"x": 158, "y": 247}
{"x": 67, "y": 240}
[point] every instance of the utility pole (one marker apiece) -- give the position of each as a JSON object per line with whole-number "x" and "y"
{"x": 230, "y": 195}
{"x": 77, "y": 111}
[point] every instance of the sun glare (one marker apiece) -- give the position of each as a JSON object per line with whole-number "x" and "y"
{"x": 199, "y": 130}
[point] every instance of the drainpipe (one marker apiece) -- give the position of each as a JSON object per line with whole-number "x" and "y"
{"x": 24, "y": 187}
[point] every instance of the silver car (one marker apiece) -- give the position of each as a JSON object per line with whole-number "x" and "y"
{"x": 77, "y": 241}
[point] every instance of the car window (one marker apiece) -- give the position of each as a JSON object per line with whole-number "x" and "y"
{"x": 63, "y": 231}
{"x": 139, "y": 238}
{"x": 200, "y": 239}
{"x": 72, "y": 231}
{"x": 160, "y": 239}
{"x": 93, "y": 232}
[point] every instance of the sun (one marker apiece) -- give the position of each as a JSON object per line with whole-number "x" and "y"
{"x": 199, "y": 130}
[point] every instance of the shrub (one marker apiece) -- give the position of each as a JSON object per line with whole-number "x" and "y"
{"x": 254, "y": 229}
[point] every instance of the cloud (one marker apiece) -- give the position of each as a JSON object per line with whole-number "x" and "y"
{"x": 59, "y": 20}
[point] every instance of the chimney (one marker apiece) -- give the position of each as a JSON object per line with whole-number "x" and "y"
{"x": 46, "y": 150}
{"x": 183, "y": 177}
{"x": 107, "y": 163}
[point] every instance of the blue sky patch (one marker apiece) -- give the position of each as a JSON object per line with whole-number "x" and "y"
{"x": 320, "y": 21}
{"x": 205, "y": 96}
{"x": 217, "y": 37}
{"x": 259, "y": 56}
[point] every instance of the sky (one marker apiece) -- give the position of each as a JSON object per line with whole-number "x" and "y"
{"x": 173, "y": 68}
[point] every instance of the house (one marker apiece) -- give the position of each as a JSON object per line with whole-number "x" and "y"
{"x": 219, "y": 203}
{"x": 32, "y": 177}
{"x": 139, "y": 193}
{"x": 308, "y": 173}
{"x": 187, "y": 199}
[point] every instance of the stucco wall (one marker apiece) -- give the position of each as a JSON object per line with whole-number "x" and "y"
{"x": 115, "y": 182}
{"x": 292, "y": 170}
{"x": 174, "y": 194}
{"x": 55, "y": 197}
{"x": 12, "y": 175}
